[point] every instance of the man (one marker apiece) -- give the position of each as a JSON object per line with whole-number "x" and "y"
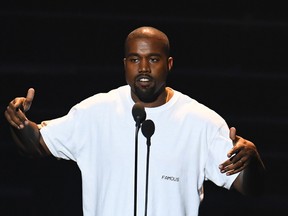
{"x": 191, "y": 142}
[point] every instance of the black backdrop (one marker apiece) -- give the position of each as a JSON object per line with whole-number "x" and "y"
{"x": 228, "y": 55}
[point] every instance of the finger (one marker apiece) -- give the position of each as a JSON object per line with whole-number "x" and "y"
{"x": 29, "y": 99}
{"x": 239, "y": 157}
{"x": 232, "y": 133}
{"x": 232, "y": 160}
{"x": 234, "y": 165}
{"x": 233, "y": 152}
{"x": 238, "y": 167}
{"x": 8, "y": 117}
{"x": 15, "y": 118}
{"x": 230, "y": 167}
{"x": 30, "y": 94}
{"x": 235, "y": 171}
{"x": 17, "y": 103}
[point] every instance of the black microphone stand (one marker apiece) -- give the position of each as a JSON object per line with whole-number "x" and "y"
{"x": 139, "y": 116}
{"x": 148, "y": 129}
{"x": 136, "y": 167}
{"x": 147, "y": 174}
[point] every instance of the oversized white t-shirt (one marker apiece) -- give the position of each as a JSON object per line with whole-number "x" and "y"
{"x": 189, "y": 143}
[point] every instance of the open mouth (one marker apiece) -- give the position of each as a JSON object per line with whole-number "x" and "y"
{"x": 144, "y": 81}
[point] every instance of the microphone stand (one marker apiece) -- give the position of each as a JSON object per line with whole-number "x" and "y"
{"x": 136, "y": 167}
{"x": 147, "y": 174}
{"x": 139, "y": 115}
{"x": 148, "y": 129}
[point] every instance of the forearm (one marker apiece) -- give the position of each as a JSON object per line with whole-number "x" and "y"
{"x": 251, "y": 180}
{"x": 28, "y": 140}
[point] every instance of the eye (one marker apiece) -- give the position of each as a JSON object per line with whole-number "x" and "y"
{"x": 154, "y": 59}
{"x": 133, "y": 59}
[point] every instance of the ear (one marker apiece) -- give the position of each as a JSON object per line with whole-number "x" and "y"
{"x": 124, "y": 62}
{"x": 170, "y": 63}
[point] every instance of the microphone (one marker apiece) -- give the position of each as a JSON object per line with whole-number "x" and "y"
{"x": 138, "y": 113}
{"x": 148, "y": 129}
{"x": 139, "y": 116}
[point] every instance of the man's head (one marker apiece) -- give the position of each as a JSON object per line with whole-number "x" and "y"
{"x": 147, "y": 63}
{"x": 149, "y": 32}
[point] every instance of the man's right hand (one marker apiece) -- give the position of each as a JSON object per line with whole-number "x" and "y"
{"x": 15, "y": 112}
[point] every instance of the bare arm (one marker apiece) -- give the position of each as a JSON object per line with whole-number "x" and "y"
{"x": 24, "y": 132}
{"x": 244, "y": 158}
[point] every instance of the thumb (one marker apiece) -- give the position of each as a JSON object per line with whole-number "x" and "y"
{"x": 232, "y": 134}
{"x": 28, "y": 99}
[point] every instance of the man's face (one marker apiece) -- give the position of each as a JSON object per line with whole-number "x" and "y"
{"x": 146, "y": 68}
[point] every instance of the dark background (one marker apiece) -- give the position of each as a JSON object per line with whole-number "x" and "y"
{"x": 229, "y": 55}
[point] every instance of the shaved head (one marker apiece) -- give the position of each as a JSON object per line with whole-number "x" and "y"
{"x": 149, "y": 32}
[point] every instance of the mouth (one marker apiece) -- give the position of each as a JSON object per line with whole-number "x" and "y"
{"x": 144, "y": 81}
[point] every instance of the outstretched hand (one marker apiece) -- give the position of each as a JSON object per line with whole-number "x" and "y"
{"x": 239, "y": 156}
{"x": 15, "y": 112}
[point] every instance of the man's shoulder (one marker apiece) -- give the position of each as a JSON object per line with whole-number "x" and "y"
{"x": 111, "y": 95}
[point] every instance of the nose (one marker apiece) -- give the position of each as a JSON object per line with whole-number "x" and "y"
{"x": 144, "y": 66}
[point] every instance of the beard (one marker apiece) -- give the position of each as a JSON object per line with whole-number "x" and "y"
{"x": 148, "y": 95}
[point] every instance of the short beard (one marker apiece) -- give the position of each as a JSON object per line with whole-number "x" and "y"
{"x": 148, "y": 95}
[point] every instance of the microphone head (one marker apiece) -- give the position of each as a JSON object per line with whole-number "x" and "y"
{"x": 138, "y": 113}
{"x": 148, "y": 128}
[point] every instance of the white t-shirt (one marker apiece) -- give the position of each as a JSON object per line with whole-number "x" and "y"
{"x": 189, "y": 143}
